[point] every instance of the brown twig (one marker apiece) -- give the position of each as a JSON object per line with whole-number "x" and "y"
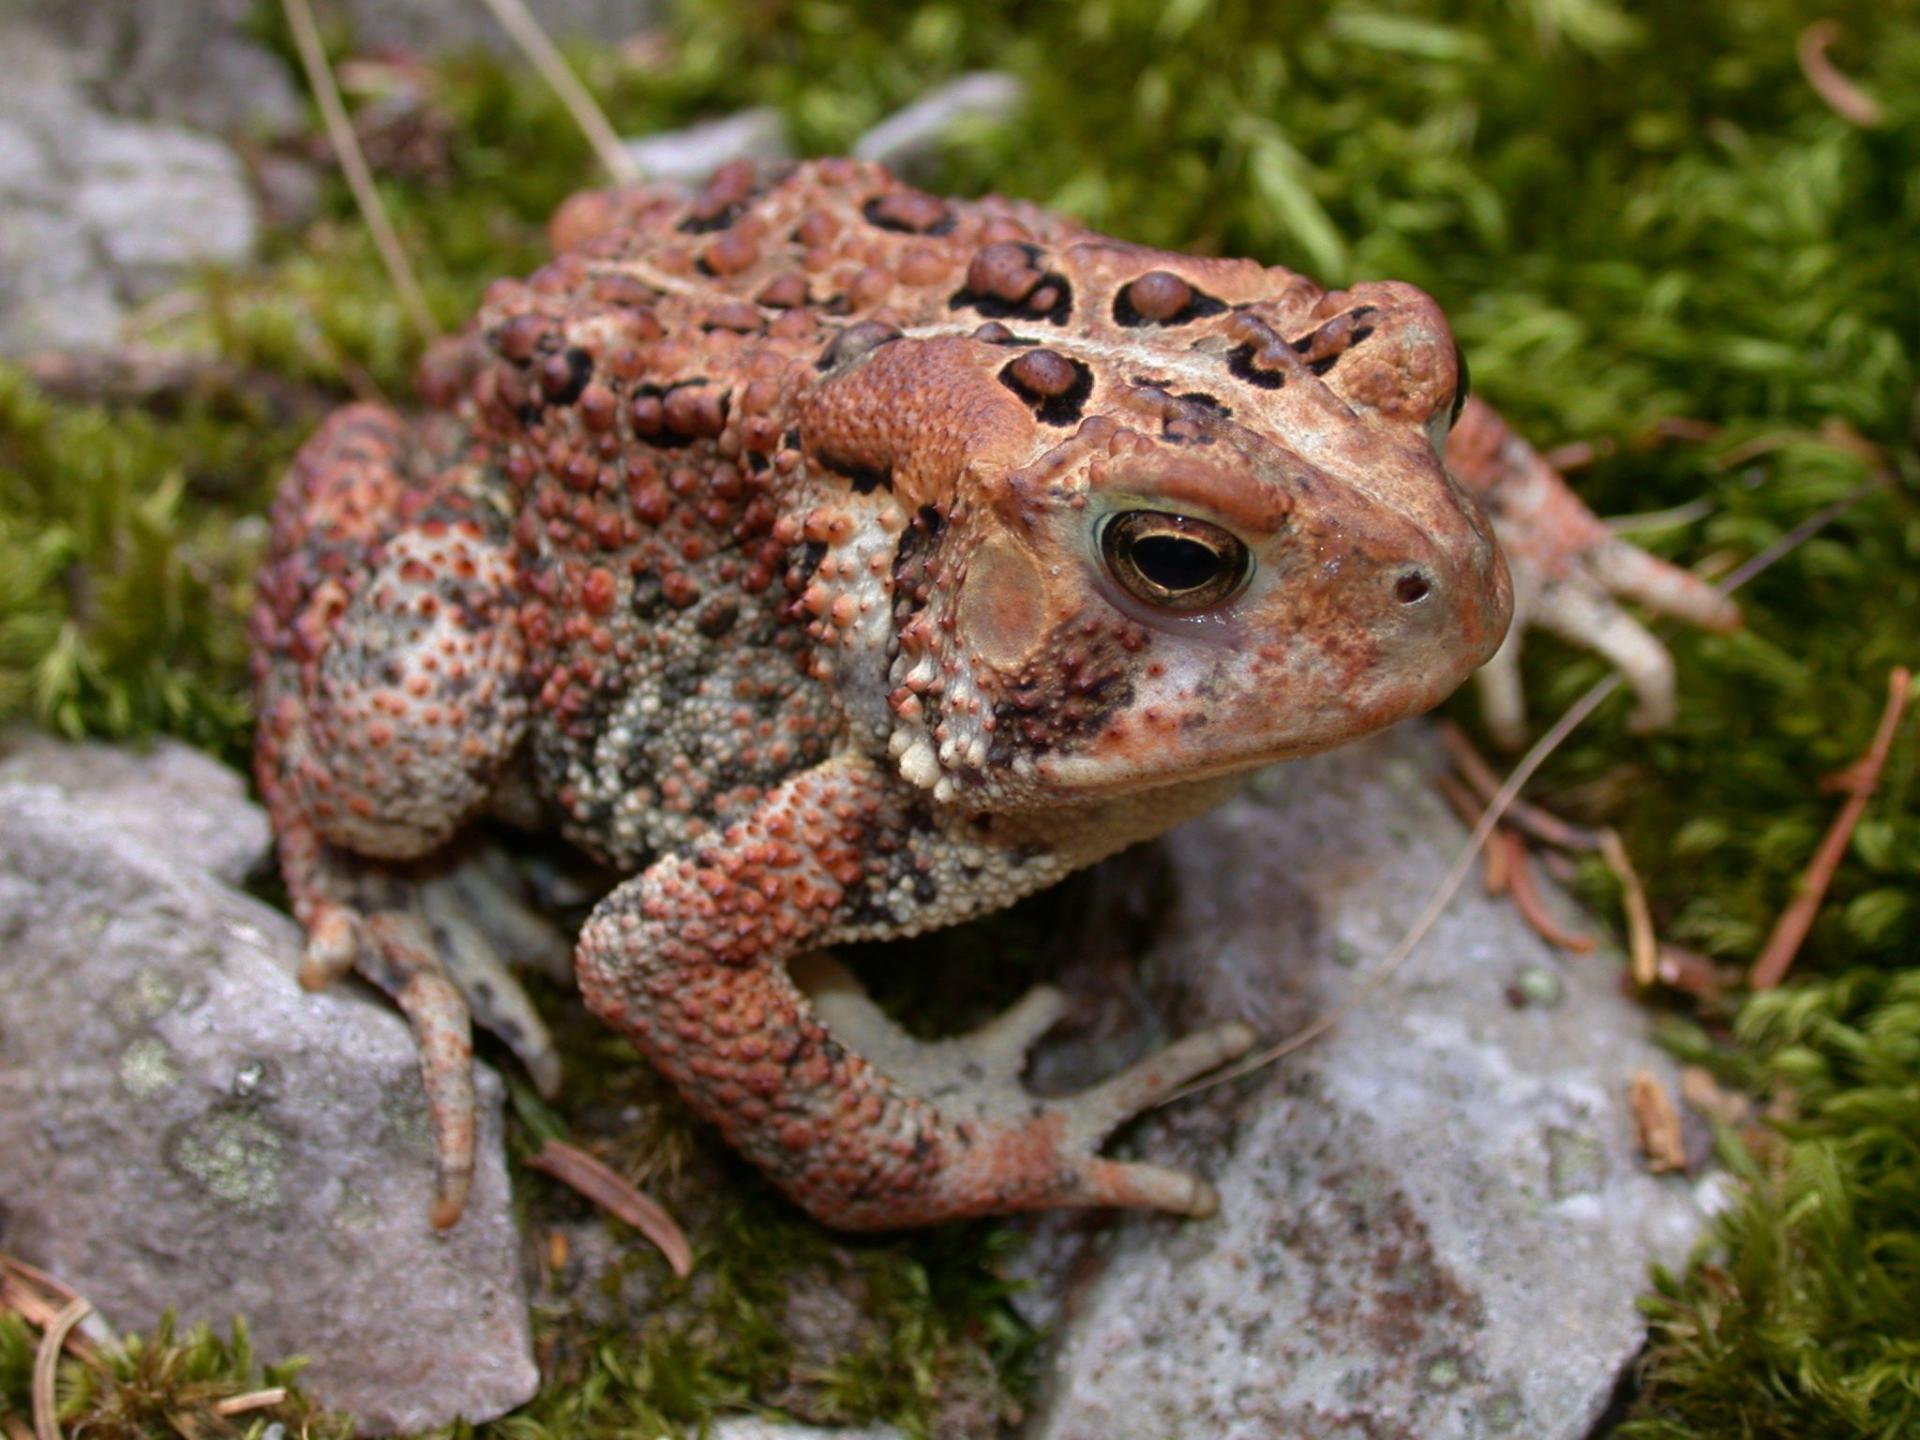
{"x": 1642, "y": 944}
{"x": 613, "y": 1193}
{"x": 1689, "y": 972}
{"x": 1670, "y": 518}
{"x": 38, "y": 1298}
{"x": 1658, "y": 1123}
{"x": 46, "y": 1361}
{"x": 1494, "y": 861}
{"x": 1528, "y": 900}
{"x": 143, "y": 375}
{"x": 1706, "y": 1096}
{"x": 1497, "y": 862}
{"x": 1545, "y": 827}
{"x": 1682, "y": 429}
{"x": 1834, "y": 434}
{"x": 35, "y": 1276}
{"x": 1843, "y": 97}
{"x": 252, "y": 1400}
{"x": 1861, "y": 779}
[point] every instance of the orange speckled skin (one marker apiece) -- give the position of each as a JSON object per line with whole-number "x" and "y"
{"x": 754, "y": 546}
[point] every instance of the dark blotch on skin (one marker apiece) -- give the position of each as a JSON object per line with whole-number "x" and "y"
{"x": 1005, "y": 280}
{"x": 1240, "y": 365}
{"x": 704, "y": 224}
{"x": 1208, "y": 402}
{"x": 1160, "y": 297}
{"x": 1327, "y": 362}
{"x": 564, "y": 376}
{"x": 679, "y": 414}
{"x": 1462, "y": 388}
{"x": 717, "y": 618}
{"x": 1055, "y": 386}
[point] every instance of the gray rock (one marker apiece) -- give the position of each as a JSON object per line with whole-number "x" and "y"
{"x": 158, "y": 200}
{"x": 96, "y": 212}
{"x": 187, "y": 61}
{"x": 433, "y": 26}
{"x": 185, "y": 1128}
{"x": 691, "y": 154}
{"x": 56, "y": 291}
{"x": 195, "y": 62}
{"x": 1434, "y": 1219}
{"x": 910, "y": 138}
{"x": 170, "y": 797}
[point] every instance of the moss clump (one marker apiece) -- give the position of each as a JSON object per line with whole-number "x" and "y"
{"x": 1805, "y": 1325}
{"x": 125, "y": 564}
{"x": 160, "y": 1385}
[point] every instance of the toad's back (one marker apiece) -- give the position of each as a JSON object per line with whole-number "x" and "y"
{"x": 640, "y": 401}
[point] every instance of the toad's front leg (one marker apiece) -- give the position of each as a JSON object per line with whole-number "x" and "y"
{"x": 690, "y": 959}
{"x": 1570, "y": 574}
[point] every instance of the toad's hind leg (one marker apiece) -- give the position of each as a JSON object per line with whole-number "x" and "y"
{"x": 389, "y": 680}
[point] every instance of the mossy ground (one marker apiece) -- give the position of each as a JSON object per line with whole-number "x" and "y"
{"x": 1634, "y": 214}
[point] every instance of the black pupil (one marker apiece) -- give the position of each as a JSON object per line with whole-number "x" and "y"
{"x": 1174, "y": 562}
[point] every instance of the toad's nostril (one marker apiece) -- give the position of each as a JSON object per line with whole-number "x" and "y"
{"x": 1411, "y": 588}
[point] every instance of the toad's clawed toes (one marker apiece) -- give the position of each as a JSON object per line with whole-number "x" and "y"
{"x": 438, "y": 937}
{"x": 1022, "y": 1150}
{"x": 1570, "y": 576}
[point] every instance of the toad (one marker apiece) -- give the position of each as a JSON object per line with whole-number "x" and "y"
{"x": 836, "y": 562}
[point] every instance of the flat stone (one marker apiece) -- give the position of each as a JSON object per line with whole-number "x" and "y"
{"x": 186, "y": 1129}
{"x": 178, "y": 802}
{"x": 1434, "y": 1219}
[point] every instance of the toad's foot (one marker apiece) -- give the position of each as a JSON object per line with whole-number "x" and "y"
{"x": 438, "y": 936}
{"x": 973, "y": 1080}
{"x": 1570, "y": 574}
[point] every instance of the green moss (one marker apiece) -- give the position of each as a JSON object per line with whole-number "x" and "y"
{"x": 1805, "y": 1323}
{"x": 1633, "y": 213}
{"x": 124, "y": 564}
{"x": 161, "y": 1386}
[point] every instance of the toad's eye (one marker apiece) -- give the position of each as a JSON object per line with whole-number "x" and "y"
{"x": 1173, "y": 561}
